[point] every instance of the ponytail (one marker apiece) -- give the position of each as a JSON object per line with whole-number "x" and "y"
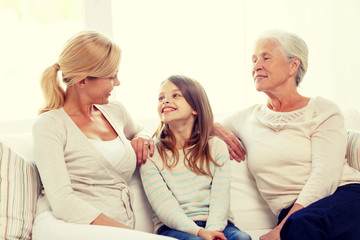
{"x": 54, "y": 93}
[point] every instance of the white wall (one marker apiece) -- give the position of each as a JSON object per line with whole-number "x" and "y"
{"x": 209, "y": 40}
{"x": 212, "y": 41}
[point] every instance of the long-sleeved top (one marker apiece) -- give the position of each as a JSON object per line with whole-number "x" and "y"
{"x": 79, "y": 183}
{"x": 297, "y": 156}
{"x": 179, "y": 196}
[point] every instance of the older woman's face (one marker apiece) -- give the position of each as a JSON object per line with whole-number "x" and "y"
{"x": 270, "y": 70}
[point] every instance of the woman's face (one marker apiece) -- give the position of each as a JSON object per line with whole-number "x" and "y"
{"x": 270, "y": 70}
{"x": 99, "y": 89}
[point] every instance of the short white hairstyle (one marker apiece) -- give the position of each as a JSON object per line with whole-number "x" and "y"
{"x": 291, "y": 46}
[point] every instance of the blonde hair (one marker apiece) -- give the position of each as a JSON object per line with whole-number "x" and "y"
{"x": 87, "y": 54}
{"x": 291, "y": 46}
{"x": 196, "y": 149}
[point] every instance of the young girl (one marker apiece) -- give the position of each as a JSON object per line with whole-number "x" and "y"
{"x": 187, "y": 181}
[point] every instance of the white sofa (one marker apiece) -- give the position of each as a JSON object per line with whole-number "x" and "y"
{"x": 20, "y": 185}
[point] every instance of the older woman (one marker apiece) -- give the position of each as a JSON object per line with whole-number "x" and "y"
{"x": 82, "y": 147}
{"x": 295, "y": 148}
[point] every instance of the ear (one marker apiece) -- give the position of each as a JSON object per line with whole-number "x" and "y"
{"x": 294, "y": 65}
{"x": 81, "y": 84}
{"x": 194, "y": 113}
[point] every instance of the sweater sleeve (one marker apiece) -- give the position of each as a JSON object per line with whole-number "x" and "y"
{"x": 132, "y": 129}
{"x": 328, "y": 148}
{"x": 49, "y": 143}
{"x": 220, "y": 189}
{"x": 163, "y": 202}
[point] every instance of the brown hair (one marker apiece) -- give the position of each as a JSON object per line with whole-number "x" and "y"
{"x": 88, "y": 53}
{"x": 196, "y": 148}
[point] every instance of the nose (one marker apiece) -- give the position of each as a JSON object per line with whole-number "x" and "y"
{"x": 257, "y": 65}
{"x": 116, "y": 82}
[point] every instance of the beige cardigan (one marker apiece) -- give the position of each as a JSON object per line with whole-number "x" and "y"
{"x": 79, "y": 183}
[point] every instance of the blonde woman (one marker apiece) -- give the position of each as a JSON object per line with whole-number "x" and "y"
{"x": 82, "y": 147}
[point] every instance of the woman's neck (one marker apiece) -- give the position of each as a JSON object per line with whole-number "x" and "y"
{"x": 287, "y": 102}
{"x": 74, "y": 106}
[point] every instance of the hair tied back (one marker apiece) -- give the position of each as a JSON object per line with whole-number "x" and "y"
{"x": 56, "y": 66}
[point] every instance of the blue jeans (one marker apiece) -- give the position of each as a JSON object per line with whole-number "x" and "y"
{"x": 231, "y": 232}
{"x": 336, "y": 217}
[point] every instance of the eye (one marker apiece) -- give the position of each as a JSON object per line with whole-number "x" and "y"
{"x": 161, "y": 98}
{"x": 176, "y": 95}
{"x": 113, "y": 77}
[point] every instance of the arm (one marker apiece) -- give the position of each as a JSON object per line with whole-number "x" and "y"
{"x": 220, "y": 188}
{"x": 163, "y": 202}
{"x": 49, "y": 143}
{"x": 236, "y": 150}
{"x": 274, "y": 234}
{"x": 328, "y": 149}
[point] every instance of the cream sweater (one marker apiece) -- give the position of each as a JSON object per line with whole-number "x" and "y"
{"x": 296, "y": 156}
{"x": 79, "y": 183}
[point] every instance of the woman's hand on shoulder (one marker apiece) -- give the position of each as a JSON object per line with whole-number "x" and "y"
{"x": 143, "y": 148}
{"x": 211, "y": 235}
{"x": 236, "y": 151}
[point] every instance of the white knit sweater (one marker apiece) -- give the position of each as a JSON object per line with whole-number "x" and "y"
{"x": 296, "y": 156}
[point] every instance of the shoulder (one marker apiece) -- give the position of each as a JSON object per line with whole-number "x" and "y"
{"x": 53, "y": 118}
{"x": 218, "y": 148}
{"x": 322, "y": 106}
{"x": 215, "y": 141}
{"x": 154, "y": 161}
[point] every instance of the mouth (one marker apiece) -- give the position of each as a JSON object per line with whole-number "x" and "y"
{"x": 167, "y": 109}
{"x": 259, "y": 77}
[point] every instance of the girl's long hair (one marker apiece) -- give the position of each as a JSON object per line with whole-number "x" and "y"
{"x": 196, "y": 149}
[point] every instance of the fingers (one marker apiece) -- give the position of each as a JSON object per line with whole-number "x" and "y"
{"x": 143, "y": 148}
{"x": 219, "y": 235}
{"x": 236, "y": 151}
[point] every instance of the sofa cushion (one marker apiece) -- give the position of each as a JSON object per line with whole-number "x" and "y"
{"x": 353, "y": 148}
{"x": 19, "y": 189}
{"x": 250, "y": 210}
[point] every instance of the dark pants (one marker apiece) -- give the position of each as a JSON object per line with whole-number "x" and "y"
{"x": 231, "y": 232}
{"x": 336, "y": 217}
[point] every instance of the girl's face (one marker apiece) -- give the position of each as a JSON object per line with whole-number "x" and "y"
{"x": 173, "y": 109}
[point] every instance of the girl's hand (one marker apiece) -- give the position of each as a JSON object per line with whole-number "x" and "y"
{"x": 272, "y": 235}
{"x": 143, "y": 148}
{"x": 211, "y": 235}
{"x": 236, "y": 151}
